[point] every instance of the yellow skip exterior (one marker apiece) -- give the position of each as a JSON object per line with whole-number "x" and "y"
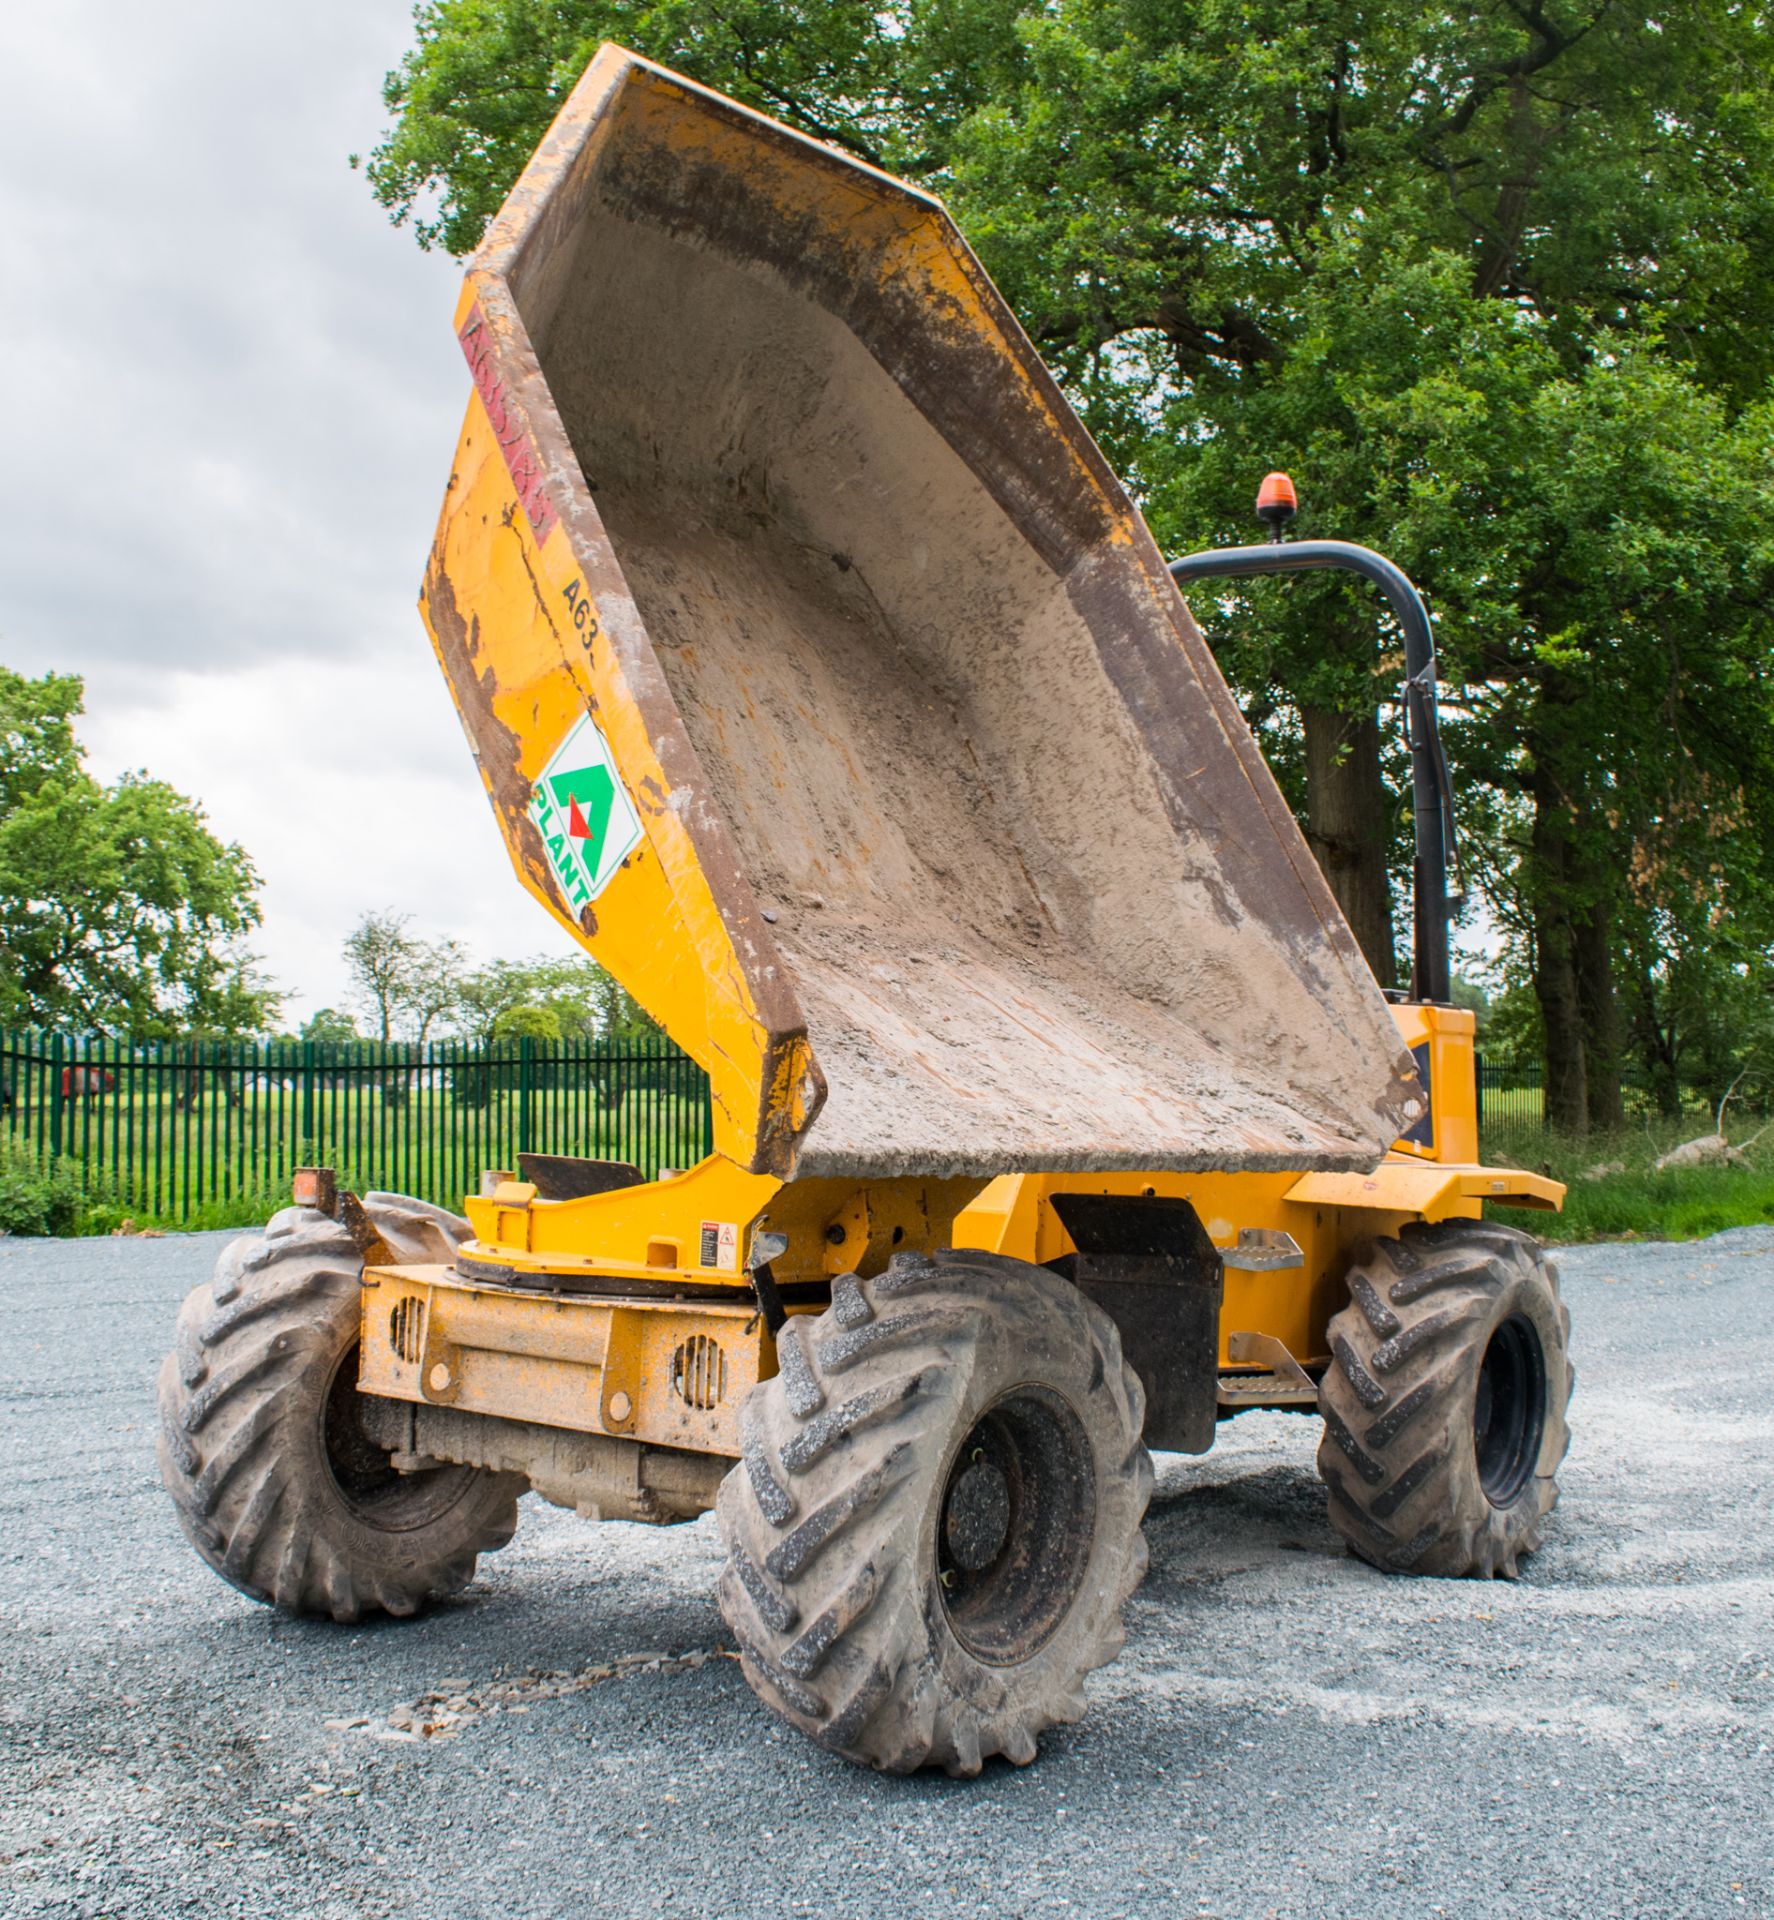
{"x": 524, "y": 637}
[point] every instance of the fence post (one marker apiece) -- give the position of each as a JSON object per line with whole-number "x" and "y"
{"x": 307, "y": 1148}
{"x": 526, "y": 1054}
{"x": 55, "y": 1094}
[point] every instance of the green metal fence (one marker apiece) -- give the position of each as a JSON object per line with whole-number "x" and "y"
{"x": 1512, "y": 1099}
{"x": 182, "y": 1132}
{"x": 1511, "y": 1095}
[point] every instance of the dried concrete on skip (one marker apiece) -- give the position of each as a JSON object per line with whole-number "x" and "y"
{"x": 1288, "y": 1733}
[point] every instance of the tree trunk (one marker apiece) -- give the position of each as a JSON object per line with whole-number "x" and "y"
{"x": 1594, "y": 956}
{"x": 1348, "y": 826}
{"x": 1555, "y": 963}
{"x": 1555, "y": 985}
{"x": 1656, "y": 1044}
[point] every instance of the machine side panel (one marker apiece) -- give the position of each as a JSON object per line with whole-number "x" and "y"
{"x": 528, "y": 622}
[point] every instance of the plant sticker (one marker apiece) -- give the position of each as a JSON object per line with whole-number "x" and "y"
{"x": 588, "y": 823}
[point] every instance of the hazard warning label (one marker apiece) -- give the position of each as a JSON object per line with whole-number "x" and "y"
{"x": 720, "y": 1245}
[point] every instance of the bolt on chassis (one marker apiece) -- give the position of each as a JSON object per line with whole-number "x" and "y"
{"x": 825, "y": 683}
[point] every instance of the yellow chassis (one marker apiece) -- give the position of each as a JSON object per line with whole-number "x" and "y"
{"x": 666, "y": 1350}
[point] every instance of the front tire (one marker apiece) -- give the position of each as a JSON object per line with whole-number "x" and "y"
{"x": 262, "y": 1446}
{"x": 937, "y": 1516}
{"x": 1444, "y": 1403}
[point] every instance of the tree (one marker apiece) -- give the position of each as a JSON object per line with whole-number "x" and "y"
{"x": 577, "y": 999}
{"x": 435, "y": 984}
{"x": 481, "y": 84}
{"x": 329, "y": 1027}
{"x": 487, "y": 993}
{"x": 1621, "y": 727}
{"x": 402, "y": 981}
{"x": 120, "y": 910}
{"x": 1494, "y": 280}
{"x": 381, "y": 959}
{"x": 529, "y": 1023}
{"x": 549, "y": 1001}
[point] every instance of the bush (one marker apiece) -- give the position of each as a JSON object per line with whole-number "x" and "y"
{"x": 38, "y": 1195}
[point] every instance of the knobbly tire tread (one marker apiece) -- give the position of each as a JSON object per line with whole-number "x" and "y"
{"x": 242, "y": 1397}
{"x": 828, "y": 1519}
{"x": 1397, "y": 1454}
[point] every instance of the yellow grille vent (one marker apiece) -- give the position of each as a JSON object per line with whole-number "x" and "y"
{"x": 699, "y": 1372}
{"x": 406, "y": 1329}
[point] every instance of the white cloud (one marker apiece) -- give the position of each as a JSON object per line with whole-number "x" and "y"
{"x": 233, "y": 391}
{"x": 351, "y": 786}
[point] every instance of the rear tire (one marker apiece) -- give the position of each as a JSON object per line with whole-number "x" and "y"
{"x": 1444, "y": 1403}
{"x": 262, "y": 1446}
{"x": 937, "y": 1516}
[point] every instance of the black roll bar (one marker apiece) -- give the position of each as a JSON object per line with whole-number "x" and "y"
{"x": 1431, "y": 789}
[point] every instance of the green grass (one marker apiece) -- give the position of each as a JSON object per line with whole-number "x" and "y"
{"x": 1638, "y": 1202}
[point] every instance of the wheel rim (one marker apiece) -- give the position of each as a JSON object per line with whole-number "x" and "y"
{"x": 1509, "y": 1412}
{"x": 361, "y": 1470}
{"x": 1014, "y": 1528}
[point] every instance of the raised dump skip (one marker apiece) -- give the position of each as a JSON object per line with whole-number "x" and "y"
{"x": 965, "y": 789}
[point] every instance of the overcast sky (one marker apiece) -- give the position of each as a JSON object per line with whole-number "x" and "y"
{"x": 232, "y": 398}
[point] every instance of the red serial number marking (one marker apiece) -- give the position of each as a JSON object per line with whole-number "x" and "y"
{"x": 508, "y": 429}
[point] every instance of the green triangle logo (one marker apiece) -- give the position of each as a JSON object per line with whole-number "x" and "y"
{"x": 585, "y": 815}
{"x": 589, "y": 796}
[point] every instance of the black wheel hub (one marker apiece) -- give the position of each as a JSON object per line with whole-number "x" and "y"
{"x": 976, "y": 1520}
{"x": 1509, "y": 1411}
{"x": 364, "y": 1474}
{"x": 1015, "y": 1526}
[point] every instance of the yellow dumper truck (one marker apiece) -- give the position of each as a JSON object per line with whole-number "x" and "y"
{"x": 826, "y": 684}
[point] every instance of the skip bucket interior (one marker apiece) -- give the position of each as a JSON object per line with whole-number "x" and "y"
{"x": 1037, "y": 895}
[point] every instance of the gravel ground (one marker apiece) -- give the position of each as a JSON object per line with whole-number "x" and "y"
{"x": 1288, "y": 1733}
